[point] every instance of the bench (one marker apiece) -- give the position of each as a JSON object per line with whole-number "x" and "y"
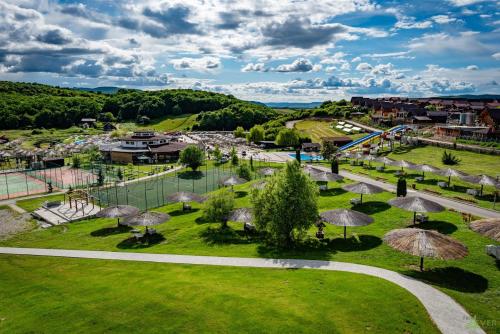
{"x": 443, "y": 184}
{"x": 249, "y": 228}
{"x": 472, "y": 192}
{"x": 399, "y": 173}
{"x": 320, "y": 235}
{"x": 419, "y": 178}
{"x": 421, "y": 218}
{"x": 186, "y": 207}
{"x": 355, "y": 201}
{"x": 380, "y": 168}
{"x": 494, "y": 251}
{"x": 323, "y": 187}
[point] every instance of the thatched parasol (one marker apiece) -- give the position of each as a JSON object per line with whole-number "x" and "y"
{"x": 416, "y": 204}
{"x": 185, "y": 197}
{"x": 362, "y": 189}
{"x": 370, "y": 158}
{"x": 259, "y": 184}
{"x": 267, "y": 171}
{"x": 449, "y": 172}
{"x": 321, "y": 176}
{"x": 242, "y": 215}
{"x": 483, "y": 180}
{"x": 345, "y": 217}
{"x": 233, "y": 180}
{"x": 118, "y": 211}
{"x": 425, "y": 243}
{"x": 426, "y": 168}
{"x": 147, "y": 218}
{"x": 402, "y": 163}
{"x": 489, "y": 227}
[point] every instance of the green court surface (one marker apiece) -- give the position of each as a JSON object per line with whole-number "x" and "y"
{"x": 18, "y": 184}
{"x": 152, "y": 192}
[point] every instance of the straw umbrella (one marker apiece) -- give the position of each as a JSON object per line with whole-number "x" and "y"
{"x": 426, "y": 168}
{"x": 345, "y": 217}
{"x": 403, "y": 164}
{"x": 322, "y": 176}
{"x": 147, "y": 218}
{"x": 370, "y": 158}
{"x": 267, "y": 171}
{"x": 425, "y": 243}
{"x": 185, "y": 197}
{"x": 483, "y": 180}
{"x": 489, "y": 227}
{"x": 362, "y": 189}
{"x": 233, "y": 180}
{"x": 118, "y": 211}
{"x": 259, "y": 184}
{"x": 242, "y": 215}
{"x": 416, "y": 204}
{"x": 449, "y": 172}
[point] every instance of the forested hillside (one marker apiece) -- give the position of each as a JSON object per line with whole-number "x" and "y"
{"x": 25, "y": 105}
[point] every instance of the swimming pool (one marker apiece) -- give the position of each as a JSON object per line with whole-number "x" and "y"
{"x": 307, "y": 157}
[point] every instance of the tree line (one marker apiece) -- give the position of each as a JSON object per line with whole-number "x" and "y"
{"x": 28, "y": 105}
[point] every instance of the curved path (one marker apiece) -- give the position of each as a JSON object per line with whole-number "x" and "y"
{"x": 446, "y": 313}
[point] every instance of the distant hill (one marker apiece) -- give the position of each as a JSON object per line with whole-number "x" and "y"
{"x": 32, "y": 105}
{"x": 471, "y": 97}
{"x": 292, "y": 105}
{"x": 104, "y": 90}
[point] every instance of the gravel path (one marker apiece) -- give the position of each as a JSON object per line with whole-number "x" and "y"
{"x": 12, "y": 222}
{"x": 447, "y": 314}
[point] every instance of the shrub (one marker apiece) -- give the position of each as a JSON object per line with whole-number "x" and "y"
{"x": 239, "y": 132}
{"x": 401, "y": 187}
{"x": 218, "y": 206}
{"x": 449, "y": 159}
{"x": 244, "y": 172}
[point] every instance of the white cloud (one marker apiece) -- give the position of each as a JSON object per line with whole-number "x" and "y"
{"x": 496, "y": 56}
{"x": 443, "y": 19}
{"x": 472, "y": 68}
{"x": 356, "y": 59}
{"x": 257, "y": 67}
{"x": 467, "y": 42}
{"x": 460, "y": 3}
{"x": 203, "y": 64}
{"x": 363, "y": 67}
{"x": 298, "y": 65}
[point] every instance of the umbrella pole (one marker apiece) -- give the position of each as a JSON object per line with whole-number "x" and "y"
{"x": 414, "y": 217}
{"x": 345, "y": 232}
{"x": 361, "y": 200}
{"x": 422, "y": 263}
{"x": 481, "y": 191}
{"x": 449, "y": 181}
{"x": 118, "y": 222}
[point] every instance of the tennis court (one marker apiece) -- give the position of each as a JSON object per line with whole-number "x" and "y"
{"x": 65, "y": 177}
{"x": 20, "y": 184}
{"x": 152, "y": 193}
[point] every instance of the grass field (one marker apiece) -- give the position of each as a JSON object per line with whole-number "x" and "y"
{"x": 319, "y": 129}
{"x": 473, "y": 281}
{"x": 167, "y": 124}
{"x": 470, "y": 162}
{"x": 50, "y": 295}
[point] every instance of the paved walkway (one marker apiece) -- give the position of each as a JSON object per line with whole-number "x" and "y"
{"x": 446, "y": 202}
{"x": 447, "y": 314}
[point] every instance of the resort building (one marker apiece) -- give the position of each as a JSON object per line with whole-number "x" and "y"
{"x": 143, "y": 147}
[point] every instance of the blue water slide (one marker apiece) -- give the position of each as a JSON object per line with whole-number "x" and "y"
{"x": 360, "y": 140}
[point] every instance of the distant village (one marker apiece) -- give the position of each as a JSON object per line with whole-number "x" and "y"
{"x": 454, "y": 118}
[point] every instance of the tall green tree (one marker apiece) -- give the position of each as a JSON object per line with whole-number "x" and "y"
{"x": 234, "y": 157}
{"x": 192, "y": 156}
{"x": 256, "y": 134}
{"x": 288, "y": 138}
{"x": 244, "y": 172}
{"x": 217, "y": 153}
{"x": 239, "y": 132}
{"x": 218, "y": 206}
{"x": 328, "y": 150}
{"x": 287, "y": 206}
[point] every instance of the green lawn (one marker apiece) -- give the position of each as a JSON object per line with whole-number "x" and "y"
{"x": 32, "y": 204}
{"x": 471, "y": 162}
{"x": 319, "y": 129}
{"x": 474, "y": 281}
{"x": 58, "y": 295}
{"x": 168, "y": 123}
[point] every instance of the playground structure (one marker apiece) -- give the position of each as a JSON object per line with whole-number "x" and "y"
{"x": 372, "y": 137}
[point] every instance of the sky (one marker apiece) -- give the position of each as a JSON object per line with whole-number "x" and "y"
{"x": 261, "y": 50}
